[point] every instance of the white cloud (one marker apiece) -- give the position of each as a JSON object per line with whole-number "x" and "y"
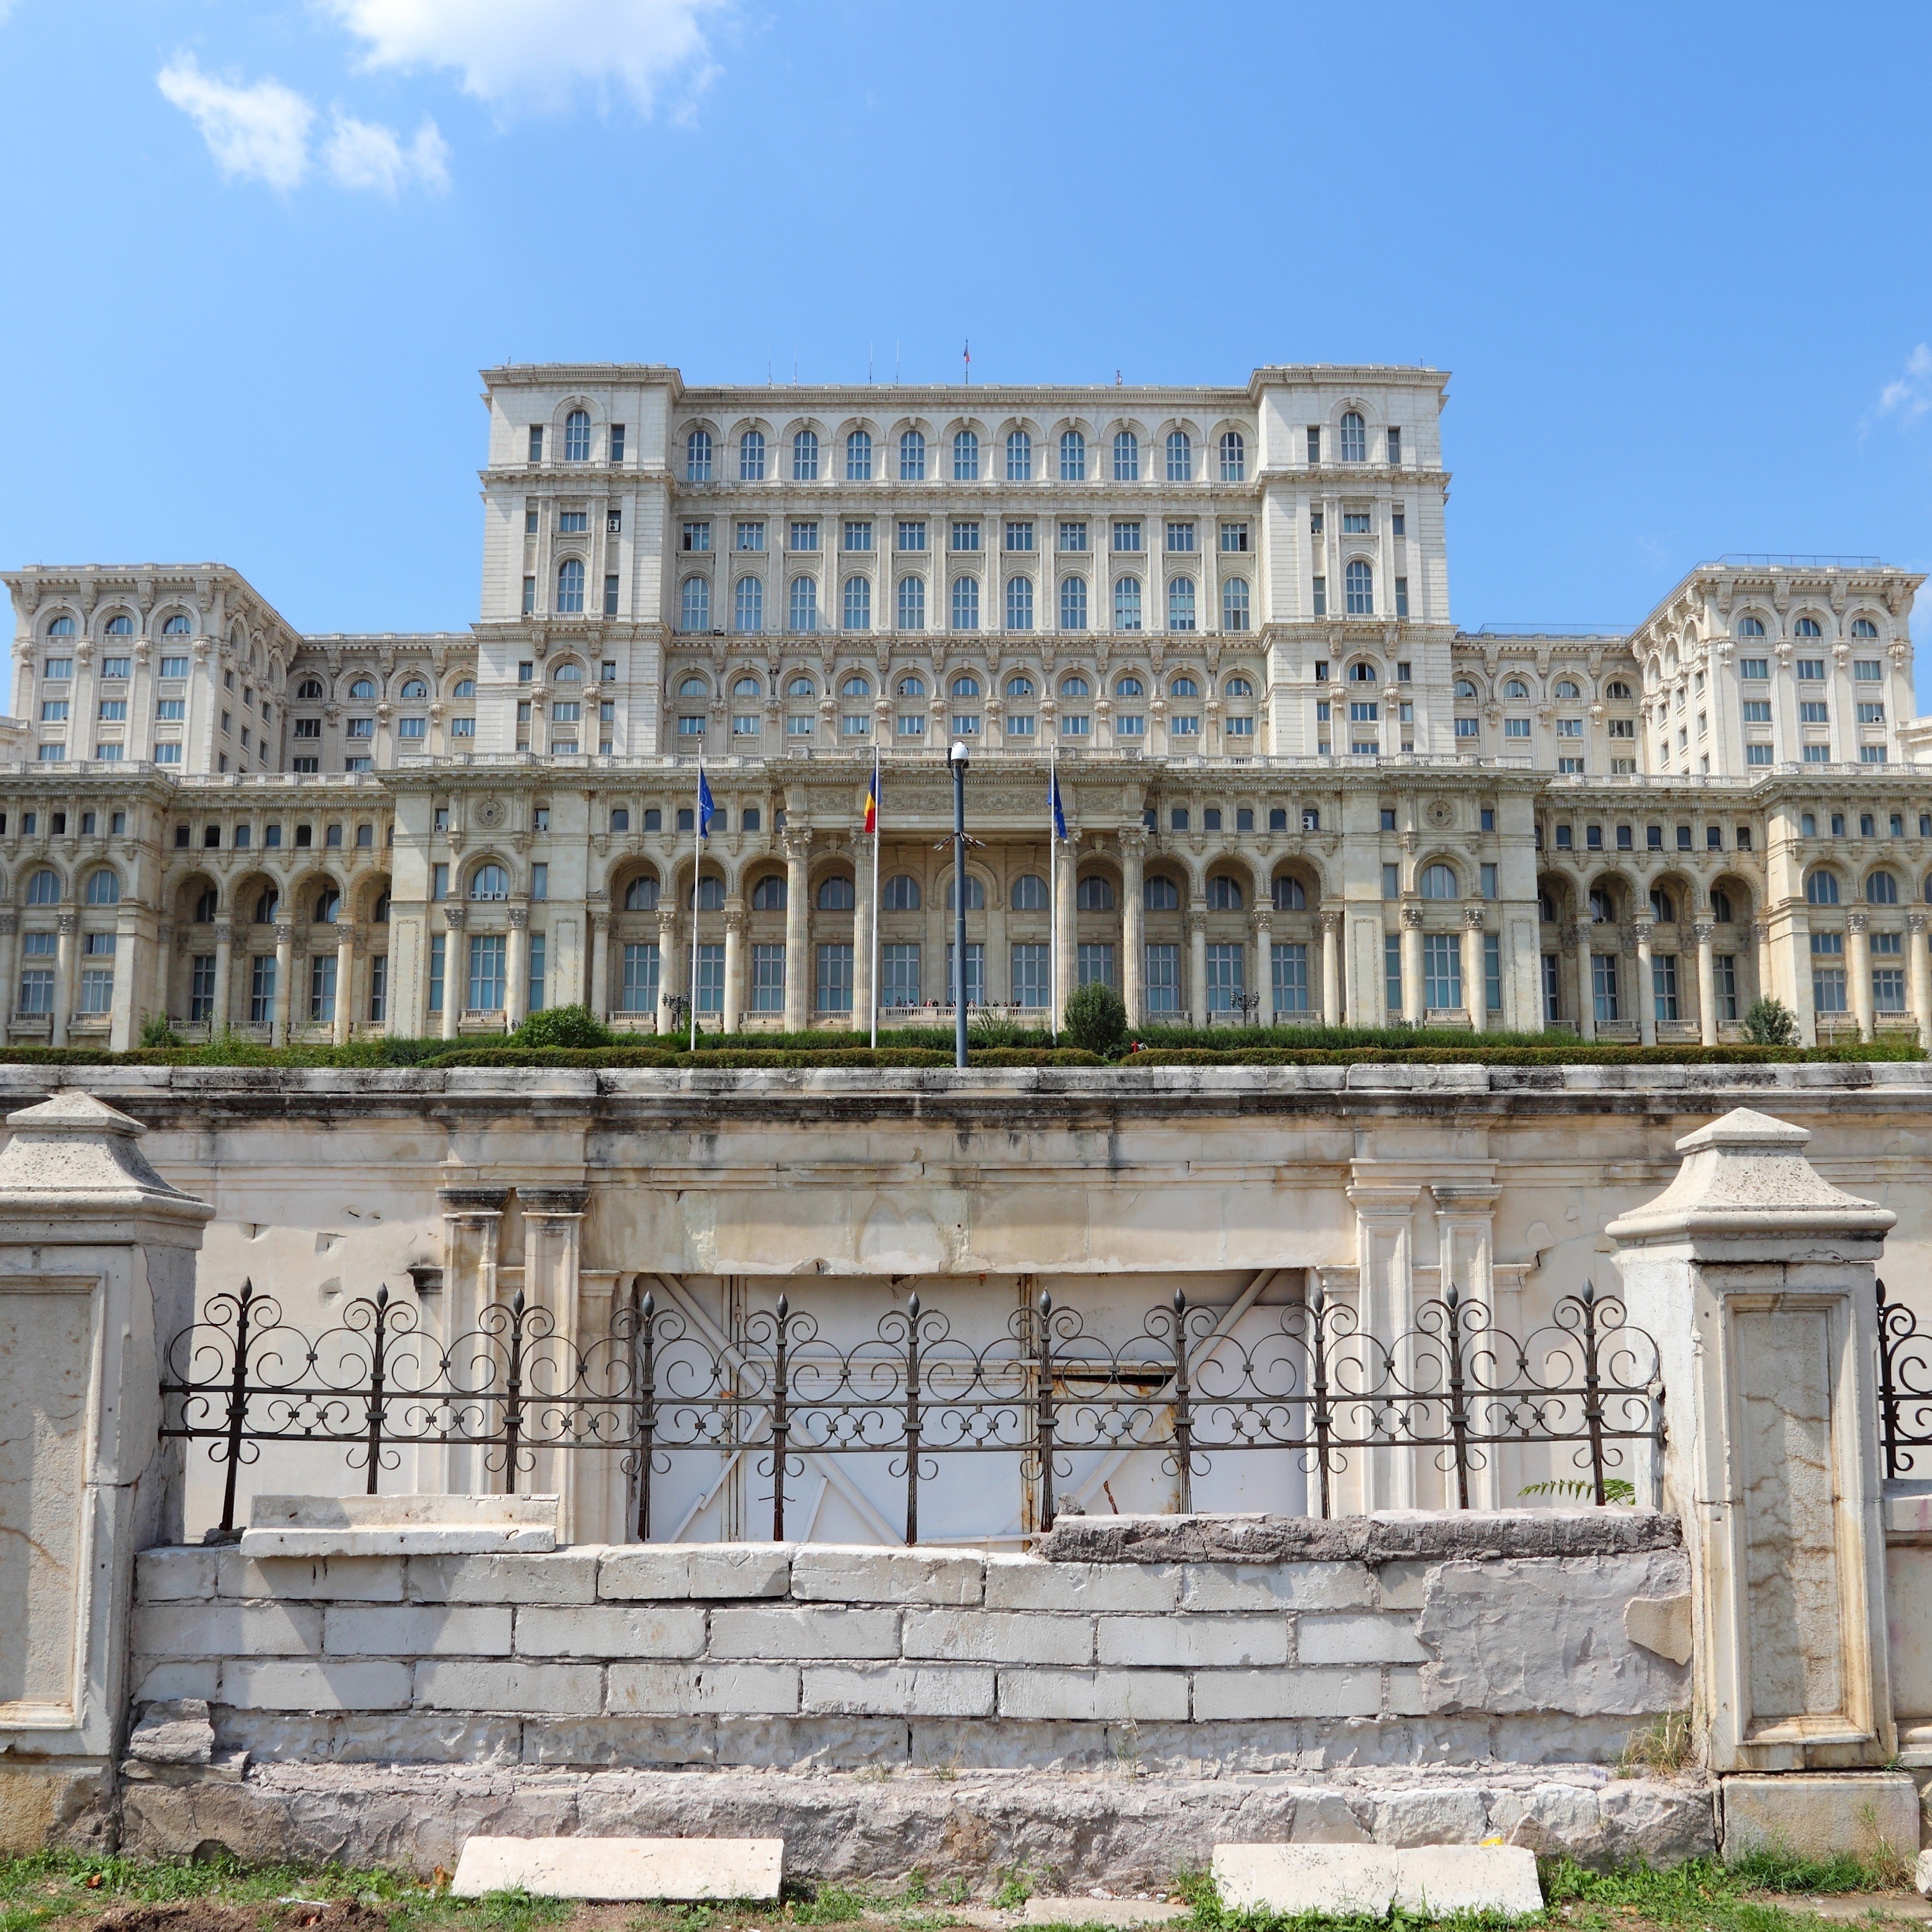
{"x": 538, "y": 51}
{"x": 363, "y": 153}
{"x": 1910, "y": 396}
{"x": 255, "y": 133}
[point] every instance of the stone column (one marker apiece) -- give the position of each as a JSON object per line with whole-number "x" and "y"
{"x": 472, "y": 1224}
{"x": 1755, "y": 1276}
{"x": 285, "y": 972}
{"x": 1385, "y": 1261}
{"x": 1261, "y": 980}
{"x": 1646, "y": 990}
{"x": 98, "y": 1255}
{"x": 1917, "y": 974}
{"x": 597, "y": 996}
{"x": 455, "y": 976}
{"x": 798, "y": 979}
{"x": 516, "y": 987}
{"x": 127, "y": 1008}
{"x": 9, "y": 991}
{"x": 1069, "y": 932}
{"x": 734, "y": 960}
{"x": 1331, "y": 923}
{"x": 863, "y": 914}
{"x": 1466, "y": 1261}
{"x": 1133, "y": 925}
{"x": 553, "y": 1225}
{"x": 1586, "y": 989}
{"x": 1475, "y": 984}
{"x": 349, "y": 940}
{"x": 1857, "y": 970}
{"x": 66, "y": 925}
{"x": 223, "y": 1016}
{"x": 1767, "y": 984}
{"x": 1703, "y": 931}
{"x": 1412, "y": 1007}
{"x": 669, "y": 954}
{"x": 1197, "y": 966}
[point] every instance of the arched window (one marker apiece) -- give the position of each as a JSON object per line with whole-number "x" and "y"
{"x": 1019, "y": 603}
{"x": 711, "y": 894}
{"x": 1465, "y": 690}
{"x": 912, "y": 686}
{"x": 801, "y": 687}
{"x": 1750, "y": 627}
{"x": 1807, "y": 627}
{"x": 1073, "y": 603}
{"x": 207, "y": 904}
{"x": 1567, "y": 691}
{"x": 1881, "y": 888}
{"x": 965, "y": 456}
{"x": 641, "y": 894}
{"x": 1661, "y": 908}
{"x": 1234, "y": 456}
{"x": 1546, "y": 908}
{"x": 1618, "y": 692}
{"x": 698, "y": 457}
{"x": 1073, "y": 456}
{"x": 1238, "y": 687}
{"x": 858, "y": 608}
{"x": 1180, "y": 604}
{"x": 489, "y": 881}
{"x": 694, "y": 604}
{"x": 693, "y": 687}
{"x": 912, "y": 603}
{"x": 900, "y": 893}
{"x": 1127, "y": 604}
{"x": 1127, "y": 456}
{"x": 966, "y": 687}
{"x": 1224, "y": 894}
{"x": 747, "y": 604}
{"x": 769, "y": 894}
{"x": 309, "y": 691}
{"x": 855, "y": 687}
{"x": 121, "y": 626}
{"x": 103, "y": 888}
{"x": 576, "y": 436}
{"x": 1074, "y": 687}
{"x": 268, "y": 906}
{"x": 975, "y": 893}
{"x": 61, "y": 627}
{"x": 570, "y": 584}
{"x": 1360, "y": 582}
{"x": 805, "y": 456}
{"x": 328, "y": 903}
{"x": 177, "y": 626}
{"x": 747, "y": 687}
{"x": 415, "y": 688}
{"x": 1129, "y": 687}
{"x": 965, "y": 603}
{"x": 1029, "y": 893}
{"x": 802, "y": 613}
{"x": 1439, "y": 882}
{"x": 1821, "y": 888}
{"x": 751, "y": 457}
{"x": 1290, "y": 894}
{"x": 1019, "y": 687}
{"x": 1160, "y": 894}
{"x": 1019, "y": 457}
{"x": 1234, "y": 603}
{"x": 1864, "y": 627}
{"x": 379, "y": 913}
{"x": 1516, "y": 689}
{"x": 859, "y": 457}
{"x": 1183, "y": 687}
{"x": 1094, "y": 893}
{"x": 836, "y": 893}
{"x": 1354, "y": 438}
{"x": 1721, "y": 906}
{"x": 363, "y": 690}
{"x": 912, "y": 456}
{"x": 1179, "y": 457}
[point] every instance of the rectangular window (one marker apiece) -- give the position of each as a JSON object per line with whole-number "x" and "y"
{"x": 1603, "y": 987}
{"x": 709, "y": 994}
{"x": 1032, "y": 975}
{"x": 529, "y": 595}
{"x": 1081, "y": 726}
{"x": 1492, "y": 972}
{"x": 1019, "y": 533}
{"x": 1868, "y": 714}
{"x": 965, "y": 533}
{"x": 1516, "y": 727}
{"x": 261, "y": 990}
{"x": 1552, "y": 989}
{"x": 750, "y": 535}
{"x": 174, "y": 666}
{"x": 1724, "y": 984}
{"x": 1357, "y": 522}
{"x": 1812, "y": 713}
{"x": 1888, "y": 986}
{"x": 1871, "y": 754}
{"x": 855, "y": 725}
{"x": 1828, "y": 972}
{"x": 1757, "y": 755}
{"x": 898, "y": 974}
{"x": 1392, "y": 974}
{"x": 1574, "y": 766}
{"x": 1180, "y": 536}
{"x": 1288, "y": 973}
{"x": 1094, "y": 962}
{"x": 1569, "y": 727}
{"x": 322, "y": 986}
{"x": 1314, "y": 443}
{"x": 201, "y": 987}
{"x": 1130, "y": 727}
{"x": 639, "y": 991}
{"x": 1402, "y": 597}
{"x": 1663, "y": 985}
{"x": 912, "y": 533}
{"x": 976, "y": 974}
{"x": 1817, "y": 754}
{"x": 1127, "y": 535}
{"x": 802, "y": 535}
{"x": 539, "y": 954}
{"x": 488, "y": 972}
{"x": 1757, "y": 711}
{"x": 610, "y": 596}
{"x": 691, "y": 725}
{"x": 1442, "y": 971}
{"x": 1226, "y": 977}
{"x": 438, "y": 953}
{"x": 1320, "y": 597}
{"x": 1468, "y": 729}
{"x": 834, "y": 994}
{"x": 768, "y": 973}
{"x": 857, "y": 534}
{"x": 912, "y": 727}
{"x": 1810, "y": 671}
{"x": 1234, "y": 537}
{"x": 1486, "y": 874}
{"x": 1161, "y": 985}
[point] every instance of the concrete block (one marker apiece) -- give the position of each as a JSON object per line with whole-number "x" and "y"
{"x": 525, "y": 1577}
{"x": 173, "y": 1573}
{"x": 610, "y": 1629}
{"x": 367, "y": 1685}
{"x": 1368, "y": 1636}
{"x": 1432, "y": 1815}
{"x": 657, "y": 1744}
{"x": 998, "y": 1636}
{"x": 1186, "y": 1643}
{"x": 838, "y": 1573}
{"x": 706, "y": 1570}
{"x": 349, "y": 1580}
{"x": 1276, "y": 1586}
{"x": 173, "y": 1733}
{"x": 1438, "y": 1881}
{"x": 1367, "y": 1880}
{"x": 223, "y": 1629}
{"x": 1818, "y": 1814}
{"x": 1408, "y": 1695}
{"x": 898, "y": 1690}
{"x": 538, "y": 1690}
{"x": 824, "y": 1631}
{"x": 406, "y": 1526}
{"x": 1112, "y": 1912}
{"x": 1244, "y": 1694}
{"x": 417, "y": 1630}
{"x": 622, "y": 1868}
{"x": 1145, "y": 1696}
{"x": 1399, "y": 1586}
{"x": 1027, "y": 1583}
{"x": 162, "y": 1683}
{"x": 674, "y": 1690}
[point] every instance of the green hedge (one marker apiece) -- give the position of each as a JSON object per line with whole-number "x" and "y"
{"x": 722, "y": 1058}
{"x": 1469, "y": 1055}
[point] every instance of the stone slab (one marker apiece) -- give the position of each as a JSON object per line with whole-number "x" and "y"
{"x": 1437, "y": 1881}
{"x": 1109, "y": 1912}
{"x": 1341, "y": 1881}
{"x": 1819, "y": 1814}
{"x": 409, "y": 1525}
{"x": 622, "y": 1868}
{"x": 1922, "y": 1877}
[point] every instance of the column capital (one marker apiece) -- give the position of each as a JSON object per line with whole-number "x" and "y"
{"x": 67, "y": 924}
{"x": 1473, "y": 917}
{"x": 9, "y": 923}
{"x": 734, "y": 919}
{"x": 519, "y": 918}
{"x": 1412, "y": 919}
{"x": 554, "y": 1203}
{"x": 1328, "y": 923}
{"x": 224, "y": 932}
{"x": 1703, "y": 930}
{"x": 1915, "y": 922}
{"x": 1577, "y": 936}
{"x": 1857, "y": 922}
{"x": 475, "y": 1205}
{"x": 453, "y": 917}
{"x": 285, "y": 933}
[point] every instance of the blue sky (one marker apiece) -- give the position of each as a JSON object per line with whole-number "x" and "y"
{"x": 1675, "y": 258}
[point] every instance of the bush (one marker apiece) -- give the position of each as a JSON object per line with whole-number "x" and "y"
{"x": 1770, "y": 1023}
{"x": 155, "y": 1031}
{"x": 563, "y": 1026}
{"x": 1097, "y": 1018}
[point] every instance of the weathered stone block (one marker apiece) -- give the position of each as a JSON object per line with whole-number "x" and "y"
{"x": 1184, "y": 1642}
{"x": 833, "y": 1573}
{"x": 673, "y": 1742}
{"x": 672, "y": 1690}
{"x": 160, "y": 1683}
{"x": 171, "y": 1572}
{"x": 526, "y": 1576}
{"x": 1439, "y": 1881}
{"x": 696, "y": 1569}
{"x": 417, "y": 1630}
{"x": 342, "y": 1579}
{"x": 1399, "y": 1586}
{"x": 1276, "y": 1586}
{"x": 1143, "y": 1696}
{"x": 369, "y": 1685}
{"x": 898, "y": 1690}
{"x": 622, "y": 1868}
{"x": 996, "y": 1636}
{"x": 1366, "y": 1637}
{"x": 223, "y": 1629}
{"x": 1451, "y": 1815}
{"x": 1244, "y": 1694}
{"x": 1337, "y": 1881}
{"x": 1818, "y": 1814}
{"x": 1027, "y": 1583}
{"x": 610, "y": 1629}
{"x": 1118, "y": 1914}
{"x": 540, "y": 1690}
{"x": 423, "y": 1524}
{"x": 829, "y": 1631}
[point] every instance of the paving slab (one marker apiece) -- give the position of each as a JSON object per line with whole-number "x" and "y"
{"x": 1112, "y": 1912}
{"x": 1818, "y": 1814}
{"x": 1341, "y": 1881}
{"x": 412, "y": 1526}
{"x": 622, "y": 1868}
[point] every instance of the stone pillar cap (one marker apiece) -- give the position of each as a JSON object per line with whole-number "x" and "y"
{"x": 1747, "y": 1174}
{"x": 75, "y": 1147}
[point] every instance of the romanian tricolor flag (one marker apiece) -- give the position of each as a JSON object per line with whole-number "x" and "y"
{"x": 872, "y": 802}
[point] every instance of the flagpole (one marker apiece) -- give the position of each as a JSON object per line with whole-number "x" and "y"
{"x": 872, "y": 937}
{"x": 697, "y": 862}
{"x": 1053, "y": 886}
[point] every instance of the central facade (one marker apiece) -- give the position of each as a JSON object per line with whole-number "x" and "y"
{"x": 1293, "y": 788}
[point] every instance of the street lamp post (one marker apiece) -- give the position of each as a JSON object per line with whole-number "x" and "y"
{"x": 958, "y": 763}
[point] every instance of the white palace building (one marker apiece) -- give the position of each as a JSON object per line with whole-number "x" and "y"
{"x": 1293, "y": 788}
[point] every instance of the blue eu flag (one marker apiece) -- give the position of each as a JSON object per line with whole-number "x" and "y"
{"x": 1059, "y": 817}
{"x": 705, "y": 807}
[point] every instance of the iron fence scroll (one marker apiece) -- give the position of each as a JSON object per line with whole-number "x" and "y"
{"x": 1904, "y": 1387}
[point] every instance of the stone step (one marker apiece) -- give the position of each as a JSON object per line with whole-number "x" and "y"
{"x": 1350, "y": 1881}
{"x": 622, "y": 1868}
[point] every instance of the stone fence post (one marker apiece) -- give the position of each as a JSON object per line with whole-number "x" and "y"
{"x": 97, "y": 1274}
{"x": 1756, "y": 1275}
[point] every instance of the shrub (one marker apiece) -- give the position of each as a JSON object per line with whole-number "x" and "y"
{"x": 1097, "y": 1018}
{"x": 563, "y": 1026}
{"x": 1770, "y": 1023}
{"x": 155, "y": 1031}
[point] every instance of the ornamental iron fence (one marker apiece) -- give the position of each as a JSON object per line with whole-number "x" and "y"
{"x": 1303, "y": 1380}
{"x": 1904, "y": 1387}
